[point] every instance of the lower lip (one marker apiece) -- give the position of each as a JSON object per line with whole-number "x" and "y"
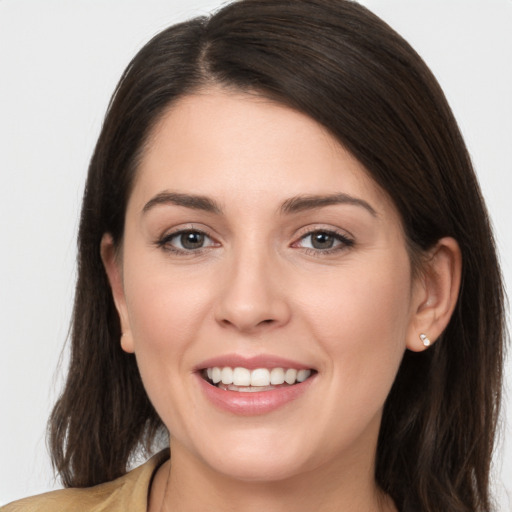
{"x": 253, "y": 403}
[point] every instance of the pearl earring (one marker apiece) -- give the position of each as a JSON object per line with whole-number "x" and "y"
{"x": 424, "y": 338}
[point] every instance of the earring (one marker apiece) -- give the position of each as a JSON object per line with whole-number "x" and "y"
{"x": 424, "y": 338}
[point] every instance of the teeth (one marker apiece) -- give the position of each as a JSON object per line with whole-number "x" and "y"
{"x": 241, "y": 377}
{"x": 290, "y": 376}
{"x": 226, "y": 375}
{"x": 302, "y": 375}
{"x": 277, "y": 376}
{"x": 216, "y": 375}
{"x": 258, "y": 378}
{"x": 248, "y": 389}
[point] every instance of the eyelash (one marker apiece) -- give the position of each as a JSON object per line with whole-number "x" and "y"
{"x": 343, "y": 240}
{"x": 165, "y": 242}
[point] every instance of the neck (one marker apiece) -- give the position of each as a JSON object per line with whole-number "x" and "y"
{"x": 188, "y": 485}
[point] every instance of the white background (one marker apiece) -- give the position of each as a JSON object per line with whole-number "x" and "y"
{"x": 59, "y": 63}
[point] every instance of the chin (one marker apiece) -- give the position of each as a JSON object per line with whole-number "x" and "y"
{"x": 258, "y": 469}
{"x": 256, "y": 457}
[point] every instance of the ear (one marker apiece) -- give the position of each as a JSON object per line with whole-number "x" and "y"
{"x": 435, "y": 294}
{"x": 113, "y": 268}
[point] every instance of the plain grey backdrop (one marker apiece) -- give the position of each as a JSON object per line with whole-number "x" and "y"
{"x": 59, "y": 63}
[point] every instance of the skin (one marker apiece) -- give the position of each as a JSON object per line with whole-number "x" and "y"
{"x": 259, "y": 286}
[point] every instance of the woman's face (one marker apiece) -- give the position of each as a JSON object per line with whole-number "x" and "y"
{"x": 254, "y": 241}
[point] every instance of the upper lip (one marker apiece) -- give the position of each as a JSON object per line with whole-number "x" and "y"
{"x": 252, "y": 362}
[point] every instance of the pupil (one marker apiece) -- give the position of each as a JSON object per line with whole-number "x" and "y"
{"x": 192, "y": 240}
{"x": 322, "y": 241}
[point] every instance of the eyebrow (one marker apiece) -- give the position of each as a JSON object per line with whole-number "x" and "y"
{"x": 187, "y": 200}
{"x": 292, "y": 205}
{"x": 311, "y": 202}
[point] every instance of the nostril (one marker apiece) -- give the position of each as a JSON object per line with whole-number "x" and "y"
{"x": 227, "y": 322}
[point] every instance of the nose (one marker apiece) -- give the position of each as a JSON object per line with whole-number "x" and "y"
{"x": 253, "y": 295}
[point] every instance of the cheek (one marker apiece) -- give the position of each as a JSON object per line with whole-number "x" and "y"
{"x": 361, "y": 321}
{"x": 165, "y": 307}
{"x": 164, "y": 310}
{"x": 165, "y": 314}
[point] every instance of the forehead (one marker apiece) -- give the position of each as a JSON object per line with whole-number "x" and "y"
{"x": 229, "y": 144}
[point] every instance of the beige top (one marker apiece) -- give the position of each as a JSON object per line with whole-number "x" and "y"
{"x": 129, "y": 492}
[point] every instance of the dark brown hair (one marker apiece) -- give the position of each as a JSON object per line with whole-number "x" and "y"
{"x": 341, "y": 65}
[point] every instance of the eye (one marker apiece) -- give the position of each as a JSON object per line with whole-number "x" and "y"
{"x": 186, "y": 241}
{"x": 324, "y": 241}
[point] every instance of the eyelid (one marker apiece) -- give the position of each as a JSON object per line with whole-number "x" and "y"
{"x": 346, "y": 240}
{"x": 163, "y": 241}
{"x": 325, "y": 228}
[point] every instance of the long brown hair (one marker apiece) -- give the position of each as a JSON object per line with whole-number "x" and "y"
{"x": 341, "y": 65}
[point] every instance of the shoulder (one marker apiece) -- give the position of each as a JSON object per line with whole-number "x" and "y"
{"x": 129, "y": 492}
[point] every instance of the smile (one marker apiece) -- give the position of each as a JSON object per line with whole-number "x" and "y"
{"x": 259, "y": 379}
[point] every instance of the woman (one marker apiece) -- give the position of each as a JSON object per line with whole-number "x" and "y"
{"x": 280, "y": 203}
